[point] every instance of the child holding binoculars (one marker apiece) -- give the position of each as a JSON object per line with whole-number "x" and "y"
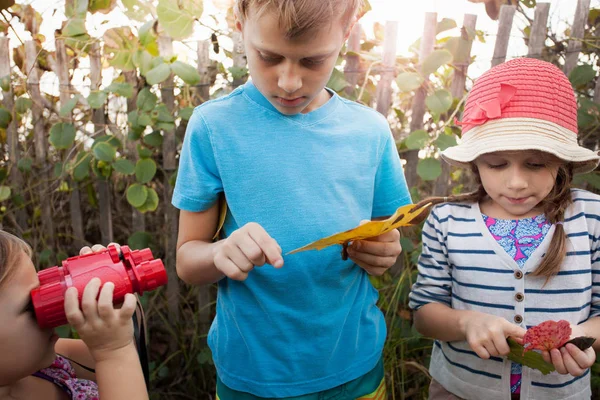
{"x": 36, "y": 364}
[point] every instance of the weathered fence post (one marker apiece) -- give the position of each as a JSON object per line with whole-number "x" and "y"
{"x": 62, "y": 71}
{"x": 170, "y": 165}
{"x": 40, "y": 143}
{"x": 577, "y": 32}
{"x": 239, "y": 57}
{"x": 418, "y": 103}
{"x": 507, "y": 14}
{"x": 99, "y": 120}
{"x": 384, "y": 87}
{"x": 539, "y": 30}
{"x": 138, "y": 220}
{"x": 351, "y": 69}
{"x": 12, "y": 136}
{"x": 457, "y": 88}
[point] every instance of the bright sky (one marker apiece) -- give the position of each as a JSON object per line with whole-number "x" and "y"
{"x": 410, "y": 16}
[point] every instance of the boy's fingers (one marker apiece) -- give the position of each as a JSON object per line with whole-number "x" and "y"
{"x": 229, "y": 269}
{"x": 376, "y": 248}
{"x": 88, "y": 299}
{"x": 72, "y": 311}
{"x": 546, "y": 356}
{"x": 269, "y": 247}
{"x": 105, "y": 301}
{"x": 251, "y": 251}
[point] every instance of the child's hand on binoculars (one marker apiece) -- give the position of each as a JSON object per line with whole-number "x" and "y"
{"x": 104, "y": 328}
{"x": 96, "y": 248}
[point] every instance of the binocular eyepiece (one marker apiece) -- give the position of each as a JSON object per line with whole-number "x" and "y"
{"x": 131, "y": 271}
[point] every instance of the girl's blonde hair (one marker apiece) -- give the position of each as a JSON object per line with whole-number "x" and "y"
{"x": 299, "y": 17}
{"x": 554, "y": 207}
{"x": 10, "y": 252}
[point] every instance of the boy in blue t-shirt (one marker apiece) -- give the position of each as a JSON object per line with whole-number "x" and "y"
{"x": 295, "y": 163}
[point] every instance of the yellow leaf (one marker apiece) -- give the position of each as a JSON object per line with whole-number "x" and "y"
{"x": 404, "y": 216}
{"x": 222, "y": 215}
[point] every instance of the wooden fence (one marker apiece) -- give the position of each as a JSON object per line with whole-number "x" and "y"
{"x": 164, "y": 228}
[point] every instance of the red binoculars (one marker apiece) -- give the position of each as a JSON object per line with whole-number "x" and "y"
{"x": 131, "y": 272}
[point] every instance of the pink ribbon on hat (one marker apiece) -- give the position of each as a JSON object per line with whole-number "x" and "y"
{"x": 490, "y": 109}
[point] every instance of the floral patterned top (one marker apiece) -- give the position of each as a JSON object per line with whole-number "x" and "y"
{"x": 62, "y": 374}
{"x": 519, "y": 238}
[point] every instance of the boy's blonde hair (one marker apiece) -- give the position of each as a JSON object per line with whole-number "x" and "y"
{"x": 299, "y": 17}
{"x": 11, "y": 248}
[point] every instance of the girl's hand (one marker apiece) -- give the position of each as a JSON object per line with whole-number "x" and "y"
{"x": 377, "y": 254}
{"x": 486, "y": 334}
{"x": 248, "y": 247}
{"x": 103, "y": 328}
{"x": 569, "y": 359}
{"x": 96, "y": 248}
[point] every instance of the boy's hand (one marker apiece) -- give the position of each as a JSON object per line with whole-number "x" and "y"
{"x": 569, "y": 359}
{"x": 248, "y": 247}
{"x": 104, "y": 329}
{"x": 486, "y": 334}
{"x": 377, "y": 254}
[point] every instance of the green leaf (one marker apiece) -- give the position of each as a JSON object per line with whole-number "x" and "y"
{"x": 587, "y": 112}
{"x": 149, "y": 37}
{"x": 104, "y": 152}
{"x": 435, "y": 60}
{"x": 151, "y": 203}
{"x": 445, "y": 25}
{"x": 4, "y": 192}
{"x": 337, "y": 81}
{"x": 186, "y": 113}
{"x": 62, "y": 135}
{"x": 139, "y": 240}
{"x": 154, "y": 139}
{"x": 5, "y": 118}
{"x": 5, "y": 83}
{"x": 238, "y": 72}
{"x": 137, "y": 195}
{"x": 76, "y": 8}
{"x": 74, "y": 27}
{"x": 144, "y": 152}
{"x": 110, "y": 139}
{"x": 145, "y": 170}
{"x": 25, "y": 164}
{"x": 143, "y": 60}
{"x": 177, "y": 17}
{"x": 581, "y": 75}
{"x": 81, "y": 169}
{"x": 439, "y": 102}
{"x": 417, "y": 140}
{"x": 529, "y": 3}
{"x": 124, "y": 166}
{"x": 529, "y": 359}
{"x": 429, "y": 169}
{"x": 444, "y": 141}
{"x": 186, "y": 72}
{"x": 146, "y": 100}
{"x": 67, "y": 108}
{"x": 102, "y": 6}
{"x": 121, "y": 88}
{"x": 23, "y": 104}
{"x": 158, "y": 74}
{"x": 409, "y": 81}
{"x": 120, "y": 45}
{"x": 96, "y": 99}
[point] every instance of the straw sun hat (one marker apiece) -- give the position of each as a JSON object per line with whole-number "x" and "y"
{"x": 522, "y": 104}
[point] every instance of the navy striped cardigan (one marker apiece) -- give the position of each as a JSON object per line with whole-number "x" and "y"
{"x": 462, "y": 266}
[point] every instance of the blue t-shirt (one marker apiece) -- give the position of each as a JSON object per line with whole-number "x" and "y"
{"x": 313, "y": 324}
